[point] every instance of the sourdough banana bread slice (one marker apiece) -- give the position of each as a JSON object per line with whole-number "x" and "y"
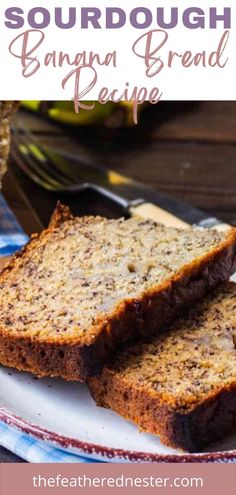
{"x": 180, "y": 385}
{"x": 88, "y": 285}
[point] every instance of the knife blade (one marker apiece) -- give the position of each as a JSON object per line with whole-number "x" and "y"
{"x": 134, "y": 197}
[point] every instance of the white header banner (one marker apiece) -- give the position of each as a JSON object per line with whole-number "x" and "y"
{"x": 101, "y": 50}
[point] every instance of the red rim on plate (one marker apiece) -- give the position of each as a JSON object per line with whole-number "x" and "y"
{"x": 108, "y": 453}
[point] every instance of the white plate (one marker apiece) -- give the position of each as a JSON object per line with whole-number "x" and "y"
{"x": 64, "y": 414}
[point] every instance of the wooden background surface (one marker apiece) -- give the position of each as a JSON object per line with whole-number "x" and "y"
{"x": 187, "y": 150}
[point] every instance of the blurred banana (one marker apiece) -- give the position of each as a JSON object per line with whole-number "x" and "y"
{"x": 112, "y": 114}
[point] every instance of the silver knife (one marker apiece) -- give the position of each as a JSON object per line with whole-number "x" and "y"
{"x": 133, "y": 197}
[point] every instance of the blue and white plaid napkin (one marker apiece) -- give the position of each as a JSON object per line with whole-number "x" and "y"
{"x": 33, "y": 450}
{"x": 12, "y": 238}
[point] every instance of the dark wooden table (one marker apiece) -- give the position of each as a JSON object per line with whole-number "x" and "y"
{"x": 187, "y": 150}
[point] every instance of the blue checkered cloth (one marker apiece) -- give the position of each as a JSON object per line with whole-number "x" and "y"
{"x": 33, "y": 450}
{"x": 12, "y": 238}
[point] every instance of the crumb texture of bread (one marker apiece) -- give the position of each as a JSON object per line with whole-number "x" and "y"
{"x": 180, "y": 385}
{"x": 88, "y": 285}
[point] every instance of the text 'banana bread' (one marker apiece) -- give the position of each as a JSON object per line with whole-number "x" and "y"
{"x": 88, "y": 285}
{"x": 182, "y": 384}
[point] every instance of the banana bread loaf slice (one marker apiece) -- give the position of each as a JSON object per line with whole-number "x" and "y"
{"x": 88, "y": 285}
{"x": 182, "y": 384}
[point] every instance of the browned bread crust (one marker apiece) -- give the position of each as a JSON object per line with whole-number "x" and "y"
{"x": 181, "y": 385}
{"x": 74, "y": 356}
